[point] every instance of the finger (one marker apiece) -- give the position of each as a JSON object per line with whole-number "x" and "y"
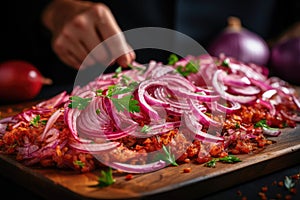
{"x": 69, "y": 59}
{"x": 112, "y": 35}
{"x": 70, "y": 40}
{"x": 127, "y": 58}
{"x": 83, "y": 26}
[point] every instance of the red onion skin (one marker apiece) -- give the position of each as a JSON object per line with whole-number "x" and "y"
{"x": 20, "y": 80}
{"x": 285, "y": 60}
{"x": 241, "y": 44}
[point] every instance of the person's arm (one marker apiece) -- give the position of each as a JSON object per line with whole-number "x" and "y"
{"x": 78, "y": 27}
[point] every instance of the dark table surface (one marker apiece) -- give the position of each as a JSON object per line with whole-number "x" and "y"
{"x": 249, "y": 190}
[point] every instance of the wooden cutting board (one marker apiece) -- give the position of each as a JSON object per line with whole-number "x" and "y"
{"x": 170, "y": 182}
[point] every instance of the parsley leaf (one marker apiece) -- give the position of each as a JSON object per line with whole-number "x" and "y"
{"x": 211, "y": 163}
{"x": 125, "y": 80}
{"x": 116, "y": 89}
{"x": 172, "y": 59}
{"x": 106, "y": 178}
{"x": 117, "y": 72}
{"x": 225, "y": 63}
{"x": 288, "y": 183}
{"x": 78, "y": 163}
{"x": 230, "y": 159}
{"x": 126, "y": 103}
{"x": 145, "y": 129}
{"x": 190, "y": 67}
{"x": 35, "y": 121}
{"x": 98, "y": 111}
{"x": 79, "y": 102}
{"x": 99, "y": 92}
{"x": 226, "y": 159}
{"x": 167, "y": 156}
{"x": 263, "y": 123}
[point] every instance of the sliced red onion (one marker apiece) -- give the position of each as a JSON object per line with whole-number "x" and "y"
{"x": 146, "y": 168}
{"x": 178, "y": 81}
{"x": 156, "y": 102}
{"x": 155, "y": 129}
{"x": 27, "y": 150}
{"x": 261, "y": 84}
{"x": 205, "y": 90}
{"x": 237, "y": 66}
{"x": 234, "y": 106}
{"x": 161, "y": 70}
{"x": 55, "y": 101}
{"x": 94, "y": 147}
{"x": 8, "y": 120}
{"x": 51, "y": 135}
{"x": 202, "y": 117}
{"x": 70, "y": 116}
{"x": 50, "y": 122}
{"x": 219, "y": 88}
{"x": 296, "y": 101}
{"x": 268, "y": 94}
{"x": 236, "y": 80}
{"x": 193, "y": 125}
{"x": 293, "y": 117}
{"x": 247, "y": 90}
{"x": 274, "y": 132}
{"x": 164, "y": 95}
{"x": 268, "y": 105}
{"x": 28, "y": 115}
{"x": 190, "y": 95}
{"x": 153, "y": 114}
{"x": 2, "y": 129}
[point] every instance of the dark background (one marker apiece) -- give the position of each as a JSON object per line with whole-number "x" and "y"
{"x": 24, "y": 37}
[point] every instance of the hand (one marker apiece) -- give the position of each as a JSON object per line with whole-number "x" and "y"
{"x": 79, "y": 26}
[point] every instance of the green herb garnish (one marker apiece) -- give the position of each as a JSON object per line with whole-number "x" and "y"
{"x": 106, "y": 178}
{"x": 125, "y": 80}
{"x": 79, "y": 163}
{"x": 225, "y": 63}
{"x": 117, "y": 72}
{"x": 99, "y": 92}
{"x": 226, "y": 159}
{"x": 263, "y": 123}
{"x": 126, "y": 102}
{"x": 145, "y": 129}
{"x": 288, "y": 183}
{"x": 212, "y": 163}
{"x": 172, "y": 59}
{"x": 167, "y": 156}
{"x": 229, "y": 159}
{"x": 37, "y": 120}
{"x": 190, "y": 67}
{"x": 116, "y": 89}
{"x": 79, "y": 102}
{"x": 98, "y": 111}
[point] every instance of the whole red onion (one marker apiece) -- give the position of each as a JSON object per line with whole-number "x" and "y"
{"x": 285, "y": 60}
{"x": 240, "y": 43}
{"x": 20, "y": 81}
